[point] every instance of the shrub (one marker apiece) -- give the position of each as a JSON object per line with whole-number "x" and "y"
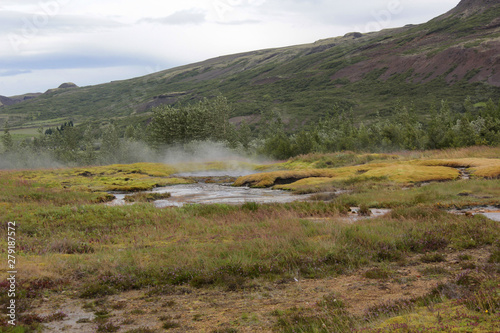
{"x": 495, "y": 256}
{"x": 146, "y": 197}
{"x": 95, "y": 290}
{"x": 432, "y": 257}
{"x": 142, "y": 330}
{"x": 389, "y": 308}
{"x": 250, "y": 206}
{"x": 485, "y": 300}
{"x": 225, "y": 330}
{"x": 170, "y": 324}
{"x": 364, "y": 210}
{"x": 69, "y": 246}
{"x": 465, "y": 257}
{"x": 433, "y": 271}
{"x": 424, "y": 242}
{"x": 377, "y": 273}
{"x": 107, "y": 327}
{"x": 467, "y": 279}
{"x": 388, "y": 253}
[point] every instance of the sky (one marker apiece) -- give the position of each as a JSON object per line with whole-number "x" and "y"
{"x": 44, "y": 43}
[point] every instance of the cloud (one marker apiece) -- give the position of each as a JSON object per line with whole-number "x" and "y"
{"x": 240, "y": 22}
{"x": 13, "y": 72}
{"x": 350, "y": 14}
{"x": 42, "y": 80}
{"x": 20, "y": 65}
{"x": 39, "y": 23}
{"x": 188, "y": 16}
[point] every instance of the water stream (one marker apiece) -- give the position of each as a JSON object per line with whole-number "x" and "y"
{"x": 491, "y": 212}
{"x": 210, "y": 190}
{"x": 214, "y": 187}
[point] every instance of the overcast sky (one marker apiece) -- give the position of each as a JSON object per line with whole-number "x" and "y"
{"x": 44, "y": 43}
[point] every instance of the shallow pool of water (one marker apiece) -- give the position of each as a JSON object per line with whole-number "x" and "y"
{"x": 202, "y": 193}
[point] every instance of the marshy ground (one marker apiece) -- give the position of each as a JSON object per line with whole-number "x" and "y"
{"x": 305, "y": 266}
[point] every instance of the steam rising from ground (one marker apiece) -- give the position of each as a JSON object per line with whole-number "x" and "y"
{"x": 27, "y": 160}
{"x": 202, "y": 152}
{"x": 135, "y": 152}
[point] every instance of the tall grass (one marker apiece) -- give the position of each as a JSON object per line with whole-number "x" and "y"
{"x": 140, "y": 246}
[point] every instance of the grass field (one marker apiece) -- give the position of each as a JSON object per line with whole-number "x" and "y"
{"x": 84, "y": 266}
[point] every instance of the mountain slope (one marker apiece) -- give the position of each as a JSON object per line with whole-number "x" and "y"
{"x": 6, "y": 101}
{"x": 450, "y": 57}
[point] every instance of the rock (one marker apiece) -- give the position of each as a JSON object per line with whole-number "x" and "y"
{"x": 67, "y": 85}
{"x": 353, "y": 35}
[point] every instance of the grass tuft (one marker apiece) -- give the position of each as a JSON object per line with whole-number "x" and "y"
{"x": 67, "y": 246}
{"x": 432, "y": 257}
{"x": 146, "y": 197}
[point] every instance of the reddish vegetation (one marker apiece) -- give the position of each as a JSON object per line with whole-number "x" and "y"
{"x": 460, "y": 60}
{"x": 427, "y": 55}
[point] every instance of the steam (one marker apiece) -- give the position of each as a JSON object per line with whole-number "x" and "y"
{"x": 28, "y": 160}
{"x": 194, "y": 153}
{"x": 202, "y": 152}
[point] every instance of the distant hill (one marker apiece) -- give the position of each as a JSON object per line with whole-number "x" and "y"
{"x": 6, "y": 101}
{"x": 450, "y": 57}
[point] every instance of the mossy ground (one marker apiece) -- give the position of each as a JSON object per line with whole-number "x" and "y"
{"x": 446, "y": 317}
{"x": 234, "y": 268}
{"x": 317, "y": 173}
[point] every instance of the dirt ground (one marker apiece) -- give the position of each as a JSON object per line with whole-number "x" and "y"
{"x": 187, "y": 309}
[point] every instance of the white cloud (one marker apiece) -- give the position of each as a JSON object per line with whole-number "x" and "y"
{"x": 42, "y": 80}
{"x": 189, "y": 16}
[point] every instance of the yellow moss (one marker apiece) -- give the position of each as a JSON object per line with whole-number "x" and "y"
{"x": 118, "y": 177}
{"x": 315, "y": 182}
{"x": 462, "y": 162}
{"x": 404, "y": 173}
{"x": 446, "y": 315}
{"x": 397, "y": 171}
{"x": 479, "y": 167}
{"x": 487, "y": 172}
{"x": 268, "y": 179}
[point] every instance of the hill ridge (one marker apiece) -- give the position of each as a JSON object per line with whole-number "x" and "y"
{"x": 450, "y": 57}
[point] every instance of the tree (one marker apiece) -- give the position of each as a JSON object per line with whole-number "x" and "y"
{"x": 304, "y": 143}
{"x": 130, "y": 132}
{"x": 89, "y": 155}
{"x": 205, "y": 120}
{"x": 8, "y": 143}
{"x": 278, "y": 146}
{"x": 110, "y": 146}
{"x": 244, "y": 134}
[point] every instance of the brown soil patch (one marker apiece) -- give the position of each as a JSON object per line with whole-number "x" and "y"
{"x": 249, "y": 309}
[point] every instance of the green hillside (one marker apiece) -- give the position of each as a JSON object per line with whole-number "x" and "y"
{"x": 450, "y": 57}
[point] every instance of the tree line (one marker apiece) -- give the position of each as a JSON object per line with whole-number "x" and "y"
{"x": 477, "y": 125}
{"x": 208, "y": 120}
